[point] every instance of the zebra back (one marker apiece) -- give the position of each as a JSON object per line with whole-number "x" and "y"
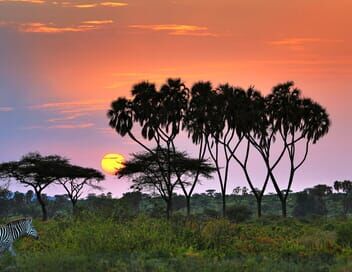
{"x": 16, "y": 229}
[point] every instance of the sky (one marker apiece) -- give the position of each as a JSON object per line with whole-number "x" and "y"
{"x": 63, "y": 62}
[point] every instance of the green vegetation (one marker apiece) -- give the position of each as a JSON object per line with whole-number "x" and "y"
{"x": 132, "y": 234}
{"x": 95, "y": 243}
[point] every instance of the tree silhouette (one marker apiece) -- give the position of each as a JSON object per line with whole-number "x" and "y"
{"x": 246, "y": 116}
{"x": 220, "y": 121}
{"x": 74, "y": 178}
{"x": 36, "y": 171}
{"x": 3, "y": 187}
{"x": 159, "y": 115}
{"x": 145, "y": 171}
{"x": 295, "y": 121}
{"x": 200, "y": 121}
{"x": 208, "y": 127}
{"x": 308, "y": 204}
{"x": 346, "y": 187}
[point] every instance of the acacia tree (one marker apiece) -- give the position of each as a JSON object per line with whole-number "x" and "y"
{"x": 75, "y": 178}
{"x": 35, "y": 171}
{"x": 192, "y": 169}
{"x": 145, "y": 171}
{"x": 297, "y": 122}
{"x": 159, "y": 115}
{"x": 3, "y": 187}
{"x": 346, "y": 188}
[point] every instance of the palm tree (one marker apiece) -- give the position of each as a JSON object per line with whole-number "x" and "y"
{"x": 196, "y": 122}
{"x": 205, "y": 123}
{"x": 248, "y": 120}
{"x": 159, "y": 115}
{"x": 296, "y": 121}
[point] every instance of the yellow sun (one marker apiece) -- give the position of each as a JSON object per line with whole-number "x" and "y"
{"x": 112, "y": 163}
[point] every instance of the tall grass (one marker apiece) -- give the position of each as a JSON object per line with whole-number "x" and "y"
{"x": 93, "y": 243}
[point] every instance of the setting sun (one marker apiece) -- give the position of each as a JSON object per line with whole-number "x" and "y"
{"x": 112, "y": 163}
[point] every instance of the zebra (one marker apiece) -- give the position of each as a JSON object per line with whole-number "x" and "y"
{"x": 13, "y": 231}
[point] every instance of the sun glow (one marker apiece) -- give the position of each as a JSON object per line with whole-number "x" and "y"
{"x": 112, "y": 163}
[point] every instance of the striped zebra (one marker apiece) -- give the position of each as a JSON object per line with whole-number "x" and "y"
{"x": 13, "y": 231}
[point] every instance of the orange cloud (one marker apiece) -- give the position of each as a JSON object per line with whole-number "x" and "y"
{"x": 98, "y": 22}
{"x": 110, "y": 4}
{"x": 175, "y": 29}
{"x": 50, "y": 28}
{"x": 113, "y": 4}
{"x": 23, "y": 1}
{"x": 299, "y": 43}
{"x": 84, "y": 5}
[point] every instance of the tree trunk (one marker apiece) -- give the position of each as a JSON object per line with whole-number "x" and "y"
{"x": 43, "y": 206}
{"x": 74, "y": 209}
{"x": 188, "y": 199}
{"x": 345, "y": 206}
{"x": 223, "y": 204}
{"x": 169, "y": 208}
{"x": 259, "y": 207}
{"x": 283, "y": 207}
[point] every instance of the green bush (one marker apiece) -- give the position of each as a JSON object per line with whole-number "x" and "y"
{"x": 239, "y": 213}
{"x": 344, "y": 234}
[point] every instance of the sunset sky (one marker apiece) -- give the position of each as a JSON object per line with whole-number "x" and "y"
{"x": 63, "y": 62}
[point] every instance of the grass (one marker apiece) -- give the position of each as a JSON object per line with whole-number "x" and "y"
{"x": 93, "y": 243}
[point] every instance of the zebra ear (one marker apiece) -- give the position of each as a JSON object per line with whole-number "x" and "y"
{"x": 30, "y": 220}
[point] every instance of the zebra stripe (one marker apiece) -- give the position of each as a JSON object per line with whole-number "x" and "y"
{"x": 13, "y": 231}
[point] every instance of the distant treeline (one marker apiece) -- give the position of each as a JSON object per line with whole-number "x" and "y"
{"x": 318, "y": 201}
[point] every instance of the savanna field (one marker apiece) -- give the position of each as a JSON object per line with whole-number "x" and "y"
{"x": 93, "y": 243}
{"x": 109, "y": 234}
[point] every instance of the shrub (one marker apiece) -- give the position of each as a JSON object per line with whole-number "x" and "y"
{"x": 218, "y": 235}
{"x": 210, "y": 213}
{"x": 344, "y": 234}
{"x": 238, "y": 214}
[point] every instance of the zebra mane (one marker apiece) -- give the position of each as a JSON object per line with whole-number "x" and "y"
{"x": 14, "y": 222}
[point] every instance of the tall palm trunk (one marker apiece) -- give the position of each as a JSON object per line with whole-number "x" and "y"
{"x": 284, "y": 207}
{"x": 188, "y": 200}
{"x": 223, "y": 204}
{"x": 259, "y": 207}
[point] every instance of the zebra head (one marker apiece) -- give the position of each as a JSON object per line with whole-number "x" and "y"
{"x": 30, "y": 230}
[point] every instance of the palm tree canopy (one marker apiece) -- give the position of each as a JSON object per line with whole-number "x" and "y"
{"x": 289, "y": 113}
